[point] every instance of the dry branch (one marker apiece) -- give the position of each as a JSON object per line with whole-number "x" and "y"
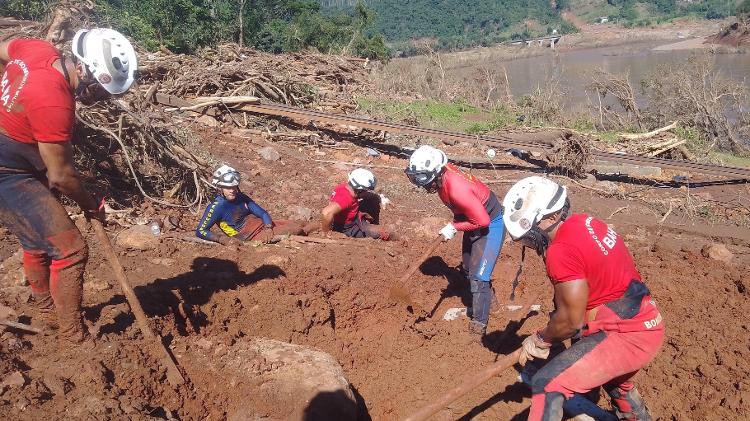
{"x": 638, "y": 136}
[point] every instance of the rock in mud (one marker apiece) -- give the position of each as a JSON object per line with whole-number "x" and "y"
{"x": 138, "y": 237}
{"x": 7, "y": 312}
{"x": 717, "y": 252}
{"x": 269, "y": 154}
{"x": 301, "y": 213}
{"x": 430, "y": 226}
{"x": 15, "y": 379}
{"x": 282, "y": 381}
{"x": 12, "y": 269}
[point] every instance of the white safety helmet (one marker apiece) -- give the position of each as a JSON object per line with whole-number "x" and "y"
{"x": 425, "y": 164}
{"x": 108, "y": 55}
{"x": 226, "y": 176}
{"x": 527, "y": 202}
{"x": 362, "y": 179}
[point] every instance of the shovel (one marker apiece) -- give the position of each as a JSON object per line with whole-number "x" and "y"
{"x": 173, "y": 373}
{"x": 398, "y": 289}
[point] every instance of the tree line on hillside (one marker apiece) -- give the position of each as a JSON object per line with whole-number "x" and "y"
{"x": 657, "y": 11}
{"x": 461, "y": 23}
{"x": 184, "y": 26}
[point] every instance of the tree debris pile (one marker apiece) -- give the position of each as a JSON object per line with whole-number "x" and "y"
{"x": 148, "y": 152}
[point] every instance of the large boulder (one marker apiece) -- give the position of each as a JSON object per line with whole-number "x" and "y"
{"x": 279, "y": 381}
{"x": 717, "y": 251}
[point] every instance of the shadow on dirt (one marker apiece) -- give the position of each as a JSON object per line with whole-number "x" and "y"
{"x": 182, "y": 295}
{"x": 457, "y": 286}
{"x": 336, "y": 406}
{"x": 515, "y": 392}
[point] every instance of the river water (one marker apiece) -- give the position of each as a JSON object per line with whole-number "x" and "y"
{"x": 574, "y": 68}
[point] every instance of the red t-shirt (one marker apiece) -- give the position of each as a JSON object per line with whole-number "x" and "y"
{"x": 349, "y": 205}
{"x": 586, "y": 248}
{"x": 36, "y": 104}
{"x": 465, "y": 195}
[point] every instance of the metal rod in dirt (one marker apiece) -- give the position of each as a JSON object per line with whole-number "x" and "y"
{"x": 19, "y": 326}
{"x": 467, "y": 386}
{"x": 173, "y": 373}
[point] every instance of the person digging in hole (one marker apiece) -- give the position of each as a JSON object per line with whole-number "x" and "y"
{"x": 38, "y": 92}
{"x": 476, "y": 212}
{"x": 354, "y": 209}
{"x": 238, "y": 216}
{"x": 599, "y": 297}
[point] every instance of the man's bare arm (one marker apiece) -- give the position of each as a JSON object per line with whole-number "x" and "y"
{"x": 4, "y": 55}
{"x": 570, "y": 302}
{"x": 62, "y": 175}
{"x": 327, "y": 215}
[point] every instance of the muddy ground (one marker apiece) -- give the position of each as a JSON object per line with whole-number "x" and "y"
{"x": 204, "y": 298}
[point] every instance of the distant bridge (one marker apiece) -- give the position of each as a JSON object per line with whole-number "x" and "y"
{"x": 551, "y": 40}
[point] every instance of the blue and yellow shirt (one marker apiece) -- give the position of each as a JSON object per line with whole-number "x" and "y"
{"x": 230, "y": 216}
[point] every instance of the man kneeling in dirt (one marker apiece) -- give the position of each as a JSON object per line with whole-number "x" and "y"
{"x": 476, "y": 212}
{"x": 354, "y": 209}
{"x": 238, "y": 216}
{"x": 599, "y": 298}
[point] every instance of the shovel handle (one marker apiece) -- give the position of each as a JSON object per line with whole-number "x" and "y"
{"x": 471, "y": 383}
{"x": 173, "y": 373}
{"x": 426, "y": 255}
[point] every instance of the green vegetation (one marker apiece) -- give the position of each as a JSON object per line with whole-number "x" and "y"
{"x": 648, "y": 12}
{"x": 461, "y": 23}
{"x": 456, "y": 115}
{"x": 187, "y": 25}
{"x": 743, "y": 9}
{"x": 25, "y": 9}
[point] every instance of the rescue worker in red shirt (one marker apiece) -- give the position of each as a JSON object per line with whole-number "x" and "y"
{"x": 477, "y": 213}
{"x": 345, "y": 212}
{"x": 38, "y": 91}
{"x": 599, "y": 294}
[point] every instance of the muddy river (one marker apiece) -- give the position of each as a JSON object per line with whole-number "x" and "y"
{"x": 574, "y": 67}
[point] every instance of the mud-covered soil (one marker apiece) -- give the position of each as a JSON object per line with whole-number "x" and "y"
{"x": 203, "y": 298}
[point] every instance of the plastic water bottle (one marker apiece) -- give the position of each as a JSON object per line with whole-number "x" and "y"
{"x": 155, "y": 228}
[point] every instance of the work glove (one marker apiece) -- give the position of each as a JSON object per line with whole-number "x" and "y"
{"x": 384, "y": 201}
{"x": 448, "y": 232}
{"x": 534, "y": 346}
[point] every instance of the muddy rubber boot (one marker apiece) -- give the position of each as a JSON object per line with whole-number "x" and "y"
{"x": 44, "y": 309}
{"x": 477, "y": 329}
{"x": 629, "y": 405}
{"x": 68, "y": 304}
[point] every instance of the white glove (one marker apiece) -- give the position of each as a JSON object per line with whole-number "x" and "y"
{"x": 448, "y": 232}
{"x": 533, "y": 347}
{"x": 384, "y": 201}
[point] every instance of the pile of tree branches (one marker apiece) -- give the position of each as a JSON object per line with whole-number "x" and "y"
{"x": 133, "y": 148}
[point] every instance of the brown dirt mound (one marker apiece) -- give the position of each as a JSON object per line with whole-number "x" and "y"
{"x": 205, "y": 298}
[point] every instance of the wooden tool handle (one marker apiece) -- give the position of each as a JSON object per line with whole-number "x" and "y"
{"x": 467, "y": 386}
{"x": 426, "y": 255}
{"x": 173, "y": 373}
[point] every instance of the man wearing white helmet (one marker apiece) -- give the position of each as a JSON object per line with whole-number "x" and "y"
{"x": 38, "y": 91}
{"x": 599, "y": 296}
{"x": 344, "y": 213}
{"x": 476, "y": 212}
{"x": 237, "y": 215}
